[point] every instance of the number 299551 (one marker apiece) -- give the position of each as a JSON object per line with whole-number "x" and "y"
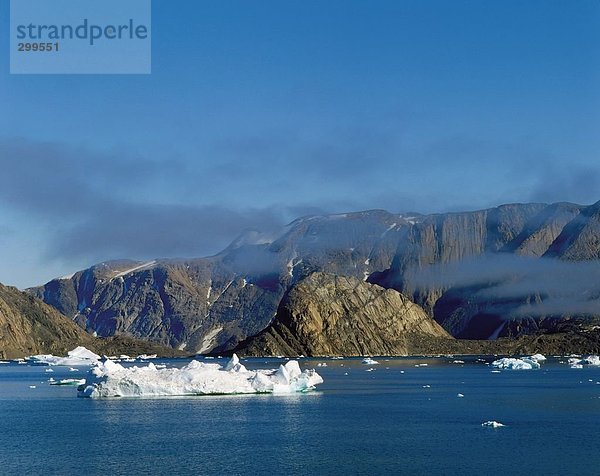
{"x": 38, "y": 47}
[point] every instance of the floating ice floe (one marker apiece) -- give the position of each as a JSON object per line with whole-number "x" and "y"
{"x": 369, "y": 361}
{"x": 593, "y": 360}
{"x": 524, "y": 363}
{"x": 78, "y": 356}
{"x": 460, "y": 395}
{"x": 538, "y": 357}
{"x": 492, "y": 424}
{"x": 68, "y": 381}
{"x": 110, "y": 379}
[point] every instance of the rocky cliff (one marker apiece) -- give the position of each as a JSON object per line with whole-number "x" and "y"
{"x": 29, "y": 326}
{"x": 512, "y": 270}
{"x": 334, "y": 315}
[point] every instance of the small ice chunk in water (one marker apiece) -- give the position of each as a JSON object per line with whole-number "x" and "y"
{"x": 591, "y": 360}
{"x": 538, "y": 357}
{"x": 78, "y": 356}
{"x": 68, "y": 381}
{"x": 369, "y": 361}
{"x": 577, "y": 363}
{"x": 460, "y": 395}
{"x": 510, "y": 363}
{"x": 492, "y": 424}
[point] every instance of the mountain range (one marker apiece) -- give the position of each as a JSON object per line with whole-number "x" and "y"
{"x": 507, "y": 271}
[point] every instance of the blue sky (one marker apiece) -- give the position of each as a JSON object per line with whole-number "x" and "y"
{"x": 258, "y": 112}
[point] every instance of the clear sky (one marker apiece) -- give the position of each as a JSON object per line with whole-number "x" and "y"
{"x": 258, "y": 112}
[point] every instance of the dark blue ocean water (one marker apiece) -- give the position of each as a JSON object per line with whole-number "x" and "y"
{"x": 381, "y": 422}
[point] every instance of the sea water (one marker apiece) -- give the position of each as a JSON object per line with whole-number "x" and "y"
{"x": 401, "y": 417}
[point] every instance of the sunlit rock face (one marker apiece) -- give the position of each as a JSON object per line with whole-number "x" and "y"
{"x": 334, "y": 315}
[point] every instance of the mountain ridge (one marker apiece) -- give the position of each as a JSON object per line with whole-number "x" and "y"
{"x": 213, "y": 303}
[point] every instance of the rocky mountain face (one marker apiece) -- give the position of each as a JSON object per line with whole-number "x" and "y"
{"x": 28, "y": 326}
{"x": 326, "y": 315}
{"x": 213, "y": 303}
{"x": 507, "y": 271}
{"x": 482, "y": 274}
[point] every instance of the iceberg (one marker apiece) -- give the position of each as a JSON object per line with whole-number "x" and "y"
{"x": 110, "y": 379}
{"x": 592, "y": 360}
{"x": 538, "y": 357}
{"x": 492, "y": 424}
{"x": 525, "y": 363}
{"x": 76, "y": 357}
{"x": 68, "y": 381}
{"x": 369, "y": 361}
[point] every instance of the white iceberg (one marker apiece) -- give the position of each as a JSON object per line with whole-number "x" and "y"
{"x": 592, "y": 360}
{"x": 68, "y": 381}
{"x": 76, "y": 357}
{"x": 525, "y": 363}
{"x": 110, "y": 379}
{"x": 492, "y": 424}
{"x": 369, "y": 361}
{"x": 538, "y": 357}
